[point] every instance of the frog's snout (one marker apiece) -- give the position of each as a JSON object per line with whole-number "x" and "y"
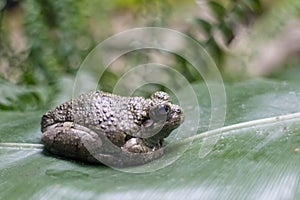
{"x": 176, "y": 115}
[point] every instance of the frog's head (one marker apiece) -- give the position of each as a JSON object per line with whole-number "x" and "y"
{"x": 164, "y": 111}
{"x": 163, "y": 118}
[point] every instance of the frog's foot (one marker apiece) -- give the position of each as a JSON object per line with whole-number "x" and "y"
{"x": 136, "y": 145}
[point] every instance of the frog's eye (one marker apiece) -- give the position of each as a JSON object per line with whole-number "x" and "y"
{"x": 163, "y": 109}
{"x": 160, "y": 112}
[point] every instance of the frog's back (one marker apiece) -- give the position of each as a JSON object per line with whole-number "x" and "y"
{"x": 100, "y": 111}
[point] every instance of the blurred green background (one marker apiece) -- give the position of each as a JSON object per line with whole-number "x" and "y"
{"x": 42, "y": 41}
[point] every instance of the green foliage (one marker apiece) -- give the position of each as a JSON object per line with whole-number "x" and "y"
{"x": 228, "y": 16}
{"x": 56, "y": 34}
{"x": 56, "y": 31}
{"x": 60, "y": 34}
{"x": 24, "y": 98}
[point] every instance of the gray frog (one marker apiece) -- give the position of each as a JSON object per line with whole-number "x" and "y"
{"x": 100, "y": 127}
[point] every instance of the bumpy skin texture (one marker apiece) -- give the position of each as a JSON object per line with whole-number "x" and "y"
{"x": 111, "y": 129}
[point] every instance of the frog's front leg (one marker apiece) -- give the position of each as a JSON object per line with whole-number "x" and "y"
{"x": 137, "y": 145}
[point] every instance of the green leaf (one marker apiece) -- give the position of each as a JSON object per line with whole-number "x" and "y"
{"x": 238, "y": 13}
{"x": 257, "y": 155}
{"x": 255, "y": 5}
{"x": 23, "y": 98}
{"x": 226, "y": 28}
{"x": 205, "y": 25}
{"x": 215, "y": 51}
{"x": 218, "y": 9}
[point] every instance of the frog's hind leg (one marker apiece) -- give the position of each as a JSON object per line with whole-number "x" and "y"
{"x": 72, "y": 140}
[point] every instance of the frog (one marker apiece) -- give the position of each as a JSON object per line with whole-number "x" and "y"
{"x": 110, "y": 129}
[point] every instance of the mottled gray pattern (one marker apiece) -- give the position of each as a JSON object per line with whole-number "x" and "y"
{"x": 134, "y": 124}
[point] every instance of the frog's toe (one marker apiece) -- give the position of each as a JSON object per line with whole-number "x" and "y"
{"x": 136, "y": 145}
